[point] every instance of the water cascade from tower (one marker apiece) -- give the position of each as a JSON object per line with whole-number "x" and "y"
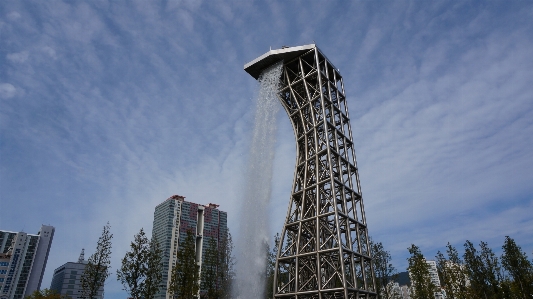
{"x": 254, "y": 232}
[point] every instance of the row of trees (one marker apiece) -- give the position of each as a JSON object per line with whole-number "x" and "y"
{"x": 141, "y": 269}
{"x": 479, "y": 274}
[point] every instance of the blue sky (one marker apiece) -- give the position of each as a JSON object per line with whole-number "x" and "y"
{"x": 109, "y": 108}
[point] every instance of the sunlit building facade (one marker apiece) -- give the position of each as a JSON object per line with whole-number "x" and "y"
{"x": 173, "y": 218}
{"x": 23, "y": 260}
{"x": 435, "y": 278}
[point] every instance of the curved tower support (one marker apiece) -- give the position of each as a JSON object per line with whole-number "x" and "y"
{"x": 324, "y": 250}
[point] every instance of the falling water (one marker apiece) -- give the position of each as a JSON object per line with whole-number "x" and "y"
{"x": 254, "y": 234}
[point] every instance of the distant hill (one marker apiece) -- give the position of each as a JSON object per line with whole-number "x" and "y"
{"x": 403, "y": 278}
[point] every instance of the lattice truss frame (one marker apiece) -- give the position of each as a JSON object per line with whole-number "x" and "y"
{"x": 324, "y": 249}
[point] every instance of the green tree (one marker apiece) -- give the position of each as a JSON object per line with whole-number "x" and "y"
{"x": 483, "y": 271}
{"x": 515, "y": 262}
{"x": 46, "y": 294}
{"x": 452, "y": 274}
{"x": 209, "y": 271}
{"x": 140, "y": 273}
{"x": 184, "y": 277}
{"x": 226, "y": 273}
{"x": 271, "y": 267}
{"x": 506, "y": 291}
{"x": 98, "y": 265}
{"x": 421, "y": 285}
{"x": 385, "y": 272}
{"x": 153, "y": 272}
{"x": 132, "y": 272}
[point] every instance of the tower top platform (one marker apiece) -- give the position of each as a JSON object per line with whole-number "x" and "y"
{"x": 256, "y": 66}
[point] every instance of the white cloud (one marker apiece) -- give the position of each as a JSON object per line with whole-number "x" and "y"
{"x": 19, "y": 57}
{"x": 7, "y": 90}
{"x": 370, "y": 42}
{"x": 186, "y": 19}
{"x": 50, "y": 51}
{"x": 13, "y": 16}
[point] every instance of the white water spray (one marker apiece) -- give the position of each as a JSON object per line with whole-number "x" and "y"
{"x": 254, "y": 232}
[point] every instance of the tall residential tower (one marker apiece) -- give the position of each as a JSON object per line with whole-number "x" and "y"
{"x": 173, "y": 218}
{"x": 23, "y": 260}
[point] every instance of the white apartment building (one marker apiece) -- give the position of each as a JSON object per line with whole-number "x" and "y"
{"x": 23, "y": 260}
{"x": 435, "y": 278}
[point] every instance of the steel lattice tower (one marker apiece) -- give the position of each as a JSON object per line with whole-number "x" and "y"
{"x": 324, "y": 250}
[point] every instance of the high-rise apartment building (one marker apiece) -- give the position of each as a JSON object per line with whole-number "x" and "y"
{"x": 23, "y": 260}
{"x": 434, "y": 276}
{"x": 67, "y": 279}
{"x": 433, "y": 272}
{"x": 173, "y": 218}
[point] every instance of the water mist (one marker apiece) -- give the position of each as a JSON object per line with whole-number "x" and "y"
{"x": 254, "y": 226}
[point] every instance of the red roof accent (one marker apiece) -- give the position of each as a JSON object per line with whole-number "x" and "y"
{"x": 178, "y": 197}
